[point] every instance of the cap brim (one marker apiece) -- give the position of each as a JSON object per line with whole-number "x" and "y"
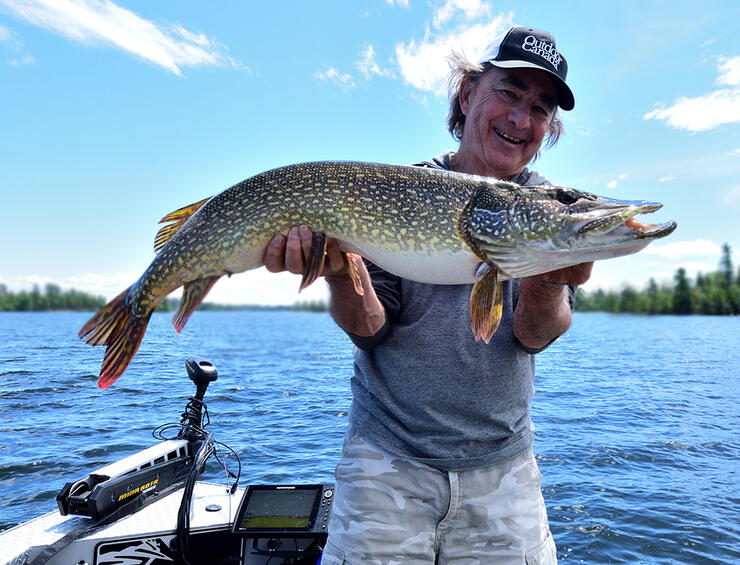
{"x": 566, "y": 100}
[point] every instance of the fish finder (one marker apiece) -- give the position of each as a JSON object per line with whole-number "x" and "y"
{"x": 284, "y": 510}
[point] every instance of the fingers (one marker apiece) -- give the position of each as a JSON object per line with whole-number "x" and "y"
{"x": 290, "y": 254}
{"x": 297, "y": 248}
{"x": 274, "y": 258}
{"x": 575, "y": 275}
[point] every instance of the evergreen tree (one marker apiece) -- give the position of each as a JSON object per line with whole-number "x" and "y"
{"x": 682, "y": 303}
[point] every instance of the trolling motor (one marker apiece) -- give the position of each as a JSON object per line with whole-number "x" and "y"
{"x": 202, "y": 372}
{"x": 123, "y": 487}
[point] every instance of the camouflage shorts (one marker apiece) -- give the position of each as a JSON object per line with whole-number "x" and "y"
{"x": 389, "y": 510}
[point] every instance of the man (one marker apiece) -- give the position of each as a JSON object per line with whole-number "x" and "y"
{"x": 437, "y": 463}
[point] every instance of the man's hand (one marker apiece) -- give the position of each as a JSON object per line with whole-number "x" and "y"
{"x": 543, "y": 312}
{"x": 575, "y": 275}
{"x": 290, "y": 254}
{"x": 361, "y": 315}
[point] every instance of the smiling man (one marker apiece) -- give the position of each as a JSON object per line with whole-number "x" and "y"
{"x": 437, "y": 465}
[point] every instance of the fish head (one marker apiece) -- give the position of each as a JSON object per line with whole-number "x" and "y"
{"x": 528, "y": 230}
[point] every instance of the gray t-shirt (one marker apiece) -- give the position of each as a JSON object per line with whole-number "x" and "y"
{"x": 424, "y": 388}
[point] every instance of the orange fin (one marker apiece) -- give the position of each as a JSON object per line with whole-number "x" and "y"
{"x": 121, "y": 332}
{"x": 486, "y": 302}
{"x": 178, "y": 218}
{"x": 193, "y": 294}
{"x": 315, "y": 260}
{"x": 354, "y": 274}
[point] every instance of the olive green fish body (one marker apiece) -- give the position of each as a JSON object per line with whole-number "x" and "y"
{"x": 422, "y": 224}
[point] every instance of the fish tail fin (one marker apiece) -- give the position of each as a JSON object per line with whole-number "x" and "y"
{"x": 193, "y": 294}
{"x": 121, "y": 332}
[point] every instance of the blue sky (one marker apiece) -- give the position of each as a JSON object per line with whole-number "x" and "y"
{"x": 116, "y": 113}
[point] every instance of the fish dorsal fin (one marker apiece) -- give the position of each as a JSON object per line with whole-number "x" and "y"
{"x": 177, "y": 219}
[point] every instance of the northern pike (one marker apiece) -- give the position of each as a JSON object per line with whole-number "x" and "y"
{"x": 427, "y": 225}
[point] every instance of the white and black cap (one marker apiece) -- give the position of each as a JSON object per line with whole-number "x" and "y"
{"x": 527, "y": 48}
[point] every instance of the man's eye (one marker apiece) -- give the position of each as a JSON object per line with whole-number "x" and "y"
{"x": 507, "y": 94}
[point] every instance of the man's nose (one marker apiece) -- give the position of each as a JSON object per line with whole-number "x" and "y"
{"x": 519, "y": 116}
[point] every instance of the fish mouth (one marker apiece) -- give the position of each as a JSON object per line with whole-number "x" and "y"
{"x": 624, "y": 223}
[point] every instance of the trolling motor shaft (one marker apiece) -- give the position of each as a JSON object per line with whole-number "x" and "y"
{"x": 202, "y": 372}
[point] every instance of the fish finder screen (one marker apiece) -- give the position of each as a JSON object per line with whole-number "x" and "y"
{"x": 279, "y": 509}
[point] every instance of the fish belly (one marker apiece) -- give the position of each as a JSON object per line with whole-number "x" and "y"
{"x": 437, "y": 267}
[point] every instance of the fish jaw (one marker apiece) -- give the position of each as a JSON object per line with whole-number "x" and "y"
{"x": 542, "y": 229}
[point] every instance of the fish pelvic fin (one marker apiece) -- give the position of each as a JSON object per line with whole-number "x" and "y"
{"x": 486, "y": 302}
{"x": 315, "y": 260}
{"x": 193, "y": 294}
{"x": 121, "y": 332}
{"x": 177, "y": 219}
{"x": 354, "y": 273}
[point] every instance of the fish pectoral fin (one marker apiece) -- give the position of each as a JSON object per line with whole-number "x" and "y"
{"x": 354, "y": 274}
{"x": 177, "y": 219}
{"x": 315, "y": 260}
{"x": 486, "y": 302}
{"x": 193, "y": 294}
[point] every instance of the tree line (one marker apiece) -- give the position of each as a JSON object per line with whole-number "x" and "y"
{"x": 715, "y": 294}
{"x": 51, "y": 298}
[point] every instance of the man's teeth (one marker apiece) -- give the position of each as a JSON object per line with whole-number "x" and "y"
{"x": 508, "y": 137}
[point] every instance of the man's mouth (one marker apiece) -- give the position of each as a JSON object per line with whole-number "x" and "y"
{"x": 507, "y": 137}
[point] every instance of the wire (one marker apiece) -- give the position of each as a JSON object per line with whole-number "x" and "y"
{"x": 192, "y": 428}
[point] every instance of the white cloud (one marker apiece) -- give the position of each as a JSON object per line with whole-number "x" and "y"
{"x": 731, "y": 197}
{"x": 423, "y": 64}
{"x": 368, "y": 66}
{"x": 710, "y": 110}
{"x": 101, "y": 21}
{"x": 666, "y": 179}
{"x": 4, "y": 34}
{"x": 679, "y": 250}
{"x": 730, "y": 71}
{"x": 404, "y": 3}
{"x": 472, "y": 9}
{"x": 26, "y": 59}
{"x": 344, "y": 81}
{"x": 613, "y": 183}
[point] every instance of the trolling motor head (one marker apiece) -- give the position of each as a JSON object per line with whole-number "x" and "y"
{"x": 201, "y": 372}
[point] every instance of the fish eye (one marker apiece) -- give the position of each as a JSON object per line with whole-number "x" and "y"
{"x": 566, "y": 196}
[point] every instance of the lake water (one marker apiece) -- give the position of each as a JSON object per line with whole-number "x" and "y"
{"x": 636, "y": 419}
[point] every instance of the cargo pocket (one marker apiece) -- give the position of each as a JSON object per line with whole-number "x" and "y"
{"x": 544, "y": 554}
{"x": 332, "y": 556}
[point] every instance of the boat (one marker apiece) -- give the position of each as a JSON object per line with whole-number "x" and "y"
{"x": 150, "y": 508}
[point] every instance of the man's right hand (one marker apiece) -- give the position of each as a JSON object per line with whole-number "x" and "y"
{"x": 290, "y": 254}
{"x": 362, "y": 315}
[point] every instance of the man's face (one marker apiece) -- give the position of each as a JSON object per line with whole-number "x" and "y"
{"x": 507, "y": 115}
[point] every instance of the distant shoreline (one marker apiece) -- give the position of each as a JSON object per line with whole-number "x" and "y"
{"x": 713, "y": 294}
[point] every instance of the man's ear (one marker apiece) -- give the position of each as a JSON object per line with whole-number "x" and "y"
{"x": 466, "y": 93}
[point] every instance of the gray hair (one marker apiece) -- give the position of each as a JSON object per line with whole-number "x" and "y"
{"x": 461, "y": 68}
